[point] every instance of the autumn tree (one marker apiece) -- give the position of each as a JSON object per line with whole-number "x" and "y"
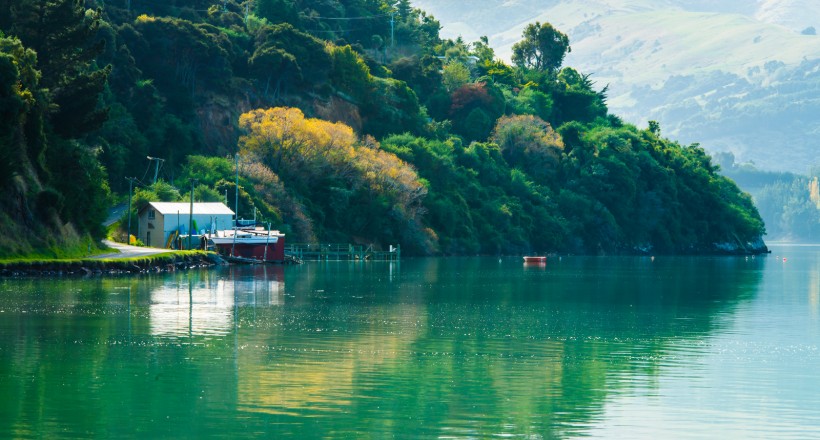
{"x": 354, "y": 186}
{"x": 294, "y": 147}
{"x": 475, "y": 108}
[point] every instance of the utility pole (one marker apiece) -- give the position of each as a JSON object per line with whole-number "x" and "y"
{"x": 267, "y": 242}
{"x": 156, "y": 170}
{"x": 236, "y": 193}
{"x": 191, "y": 216}
{"x": 130, "y": 185}
{"x": 392, "y": 28}
{"x": 236, "y": 207}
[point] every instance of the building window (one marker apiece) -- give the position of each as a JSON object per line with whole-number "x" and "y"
{"x": 151, "y": 214}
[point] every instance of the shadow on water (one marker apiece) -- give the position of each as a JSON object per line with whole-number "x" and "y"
{"x": 462, "y": 347}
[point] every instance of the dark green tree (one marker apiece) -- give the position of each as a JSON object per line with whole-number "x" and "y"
{"x": 543, "y": 48}
{"x": 308, "y": 51}
{"x": 422, "y": 74}
{"x": 12, "y": 107}
{"x": 475, "y": 108}
{"x": 277, "y": 11}
{"x": 82, "y": 181}
{"x": 275, "y": 68}
{"x": 19, "y": 94}
{"x": 63, "y": 34}
{"x": 576, "y": 99}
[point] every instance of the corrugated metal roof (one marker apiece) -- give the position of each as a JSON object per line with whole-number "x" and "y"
{"x": 166, "y": 208}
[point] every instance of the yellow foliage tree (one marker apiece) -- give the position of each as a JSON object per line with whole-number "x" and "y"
{"x": 814, "y": 192}
{"x": 293, "y": 145}
{"x": 387, "y": 174}
{"x": 312, "y": 155}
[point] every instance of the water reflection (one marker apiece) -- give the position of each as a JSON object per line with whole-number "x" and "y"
{"x": 463, "y": 347}
{"x": 814, "y": 292}
{"x": 203, "y": 303}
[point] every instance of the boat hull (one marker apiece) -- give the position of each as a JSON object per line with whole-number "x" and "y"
{"x": 261, "y": 248}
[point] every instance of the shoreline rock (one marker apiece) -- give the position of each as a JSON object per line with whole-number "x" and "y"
{"x": 157, "y": 264}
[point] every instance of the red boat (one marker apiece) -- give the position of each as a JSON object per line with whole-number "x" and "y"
{"x": 535, "y": 260}
{"x": 248, "y": 245}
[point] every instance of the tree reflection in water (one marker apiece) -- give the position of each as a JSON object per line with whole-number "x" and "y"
{"x": 465, "y": 347}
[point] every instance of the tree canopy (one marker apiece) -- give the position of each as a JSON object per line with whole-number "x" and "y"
{"x": 369, "y": 133}
{"x": 543, "y": 48}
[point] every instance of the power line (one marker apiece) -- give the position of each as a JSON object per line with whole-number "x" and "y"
{"x": 363, "y": 17}
{"x": 163, "y": 4}
{"x": 145, "y": 174}
{"x": 332, "y": 31}
{"x": 224, "y": 8}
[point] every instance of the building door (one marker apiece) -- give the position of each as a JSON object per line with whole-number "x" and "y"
{"x": 148, "y": 238}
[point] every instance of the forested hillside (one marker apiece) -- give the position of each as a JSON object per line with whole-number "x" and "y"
{"x": 740, "y": 76}
{"x": 352, "y": 120}
{"x": 789, "y": 203}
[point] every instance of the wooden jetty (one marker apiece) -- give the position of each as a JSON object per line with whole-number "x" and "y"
{"x": 341, "y": 252}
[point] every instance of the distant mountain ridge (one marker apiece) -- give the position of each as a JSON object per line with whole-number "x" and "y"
{"x": 740, "y": 76}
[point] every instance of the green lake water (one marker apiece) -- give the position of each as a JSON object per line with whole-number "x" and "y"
{"x": 469, "y": 348}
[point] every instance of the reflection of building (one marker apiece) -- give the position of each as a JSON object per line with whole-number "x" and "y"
{"x": 160, "y": 222}
{"x": 186, "y": 309}
{"x": 207, "y": 306}
{"x": 814, "y": 293}
{"x": 263, "y": 286}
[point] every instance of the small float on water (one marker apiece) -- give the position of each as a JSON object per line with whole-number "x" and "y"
{"x": 535, "y": 260}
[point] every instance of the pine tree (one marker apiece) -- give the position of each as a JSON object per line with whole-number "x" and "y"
{"x": 62, "y": 33}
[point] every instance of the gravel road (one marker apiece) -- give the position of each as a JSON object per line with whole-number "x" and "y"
{"x": 126, "y": 251}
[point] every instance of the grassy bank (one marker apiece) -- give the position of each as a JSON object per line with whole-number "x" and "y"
{"x": 165, "y": 262}
{"x": 36, "y": 242}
